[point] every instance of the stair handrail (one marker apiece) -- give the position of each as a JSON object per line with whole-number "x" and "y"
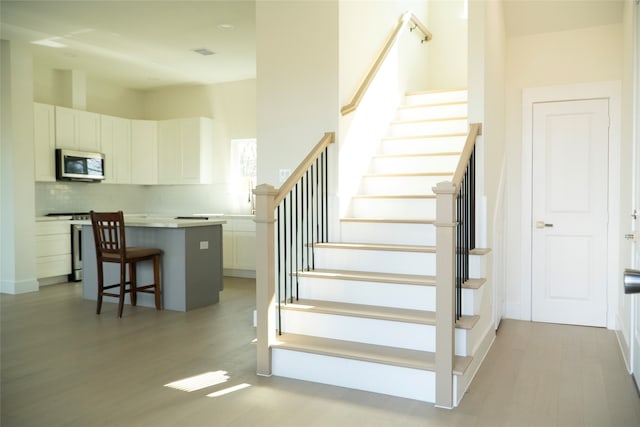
{"x": 287, "y": 186}
{"x": 269, "y": 223}
{"x": 475, "y": 130}
{"x": 392, "y": 39}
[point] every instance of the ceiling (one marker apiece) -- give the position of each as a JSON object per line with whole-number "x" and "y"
{"x": 139, "y": 44}
{"x": 147, "y": 44}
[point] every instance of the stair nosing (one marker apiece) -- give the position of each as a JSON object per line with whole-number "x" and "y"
{"x": 377, "y": 247}
{"x": 406, "y": 175}
{"x": 434, "y": 104}
{"x": 389, "y": 314}
{"x": 390, "y": 220}
{"x": 393, "y": 196}
{"x": 427, "y": 136}
{"x": 435, "y": 154}
{"x": 435, "y": 120}
{"x": 406, "y": 358}
{"x": 367, "y": 276}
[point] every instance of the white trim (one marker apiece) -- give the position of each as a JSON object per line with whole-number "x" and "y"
{"x": 610, "y": 90}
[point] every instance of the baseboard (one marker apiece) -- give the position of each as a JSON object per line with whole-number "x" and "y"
{"x": 20, "y": 287}
{"x": 235, "y": 272}
{"x": 624, "y": 346}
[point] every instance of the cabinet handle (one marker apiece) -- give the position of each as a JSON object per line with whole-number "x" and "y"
{"x": 542, "y": 224}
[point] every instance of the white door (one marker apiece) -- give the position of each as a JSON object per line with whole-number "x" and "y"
{"x": 569, "y": 212}
{"x": 636, "y": 205}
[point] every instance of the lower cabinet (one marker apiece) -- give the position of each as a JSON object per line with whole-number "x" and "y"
{"x": 53, "y": 248}
{"x": 239, "y": 247}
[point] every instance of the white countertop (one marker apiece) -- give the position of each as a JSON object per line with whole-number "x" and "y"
{"x": 52, "y": 218}
{"x": 161, "y": 222}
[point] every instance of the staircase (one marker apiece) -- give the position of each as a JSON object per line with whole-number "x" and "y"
{"x": 364, "y": 317}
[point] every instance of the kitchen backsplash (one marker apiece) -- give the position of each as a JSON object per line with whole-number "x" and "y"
{"x": 172, "y": 199}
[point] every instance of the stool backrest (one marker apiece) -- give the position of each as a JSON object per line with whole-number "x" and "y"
{"x": 108, "y": 234}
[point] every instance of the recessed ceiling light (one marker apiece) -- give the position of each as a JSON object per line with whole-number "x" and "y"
{"x": 50, "y": 42}
{"x": 203, "y": 51}
{"x": 226, "y": 27}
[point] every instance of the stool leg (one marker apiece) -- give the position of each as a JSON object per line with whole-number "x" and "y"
{"x": 100, "y": 287}
{"x": 133, "y": 289}
{"x": 156, "y": 280}
{"x": 123, "y": 281}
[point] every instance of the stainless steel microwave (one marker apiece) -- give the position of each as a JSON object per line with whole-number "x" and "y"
{"x": 79, "y": 165}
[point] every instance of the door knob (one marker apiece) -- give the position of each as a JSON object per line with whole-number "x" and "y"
{"x": 542, "y": 224}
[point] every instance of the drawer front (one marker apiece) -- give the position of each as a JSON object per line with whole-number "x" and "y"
{"x": 53, "y": 227}
{"x": 50, "y": 266}
{"x": 55, "y": 244}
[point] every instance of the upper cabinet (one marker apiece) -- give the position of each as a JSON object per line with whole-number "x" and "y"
{"x": 185, "y": 151}
{"x": 144, "y": 152}
{"x": 77, "y": 129}
{"x": 115, "y": 144}
{"x": 44, "y": 139}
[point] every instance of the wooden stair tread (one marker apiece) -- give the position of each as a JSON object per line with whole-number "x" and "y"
{"x": 394, "y": 196}
{"x": 435, "y": 154}
{"x": 392, "y": 314}
{"x": 389, "y": 220}
{"x": 393, "y": 278}
{"x": 406, "y": 358}
{"x": 433, "y": 120}
{"x": 377, "y": 247}
{"x": 407, "y": 175}
{"x": 431, "y": 104}
{"x": 405, "y": 279}
{"x": 426, "y": 136}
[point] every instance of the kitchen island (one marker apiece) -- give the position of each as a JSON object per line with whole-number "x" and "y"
{"x": 190, "y": 265}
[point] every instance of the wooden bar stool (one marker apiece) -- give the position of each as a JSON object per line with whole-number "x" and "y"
{"x": 109, "y": 236}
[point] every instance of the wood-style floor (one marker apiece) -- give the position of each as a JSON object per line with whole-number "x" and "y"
{"x": 62, "y": 365}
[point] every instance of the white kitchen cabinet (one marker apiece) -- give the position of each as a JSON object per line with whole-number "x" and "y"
{"x": 144, "y": 152}
{"x": 115, "y": 143}
{"x": 44, "y": 139}
{"x": 185, "y": 151}
{"x": 77, "y": 129}
{"x": 53, "y": 248}
{"x": 239, "y": 247}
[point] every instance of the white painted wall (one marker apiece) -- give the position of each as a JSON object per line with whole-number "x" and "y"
{"x": 17, "y": 225}
{"x": 297, "y": 81}
{"x": 448, "y": 49}
{"x": 568, "y": 57}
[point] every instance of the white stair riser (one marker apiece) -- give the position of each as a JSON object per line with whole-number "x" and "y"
{"x": 374, "y": 377}
{"x": 401, "y": 185}
{"x": 415, "y": 297}
{"x": 398, "y": 262}
{"x": 471, "y": 299}
{"x": 428, "y": 128}
{"x": 423, "y": 145}
{"x": 429, "y": 112}
{"x": 411, "y": 336}
{"x": 394, "y": 208}
{"x": 414, "y": 164}
{"x": 388, "y": 233}
{"x": 359, "y": 329}
{"x": 436, "y": 97}
{"x": 376, "y": 261}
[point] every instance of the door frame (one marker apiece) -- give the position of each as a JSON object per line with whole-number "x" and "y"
{"x": 610, "y": 90}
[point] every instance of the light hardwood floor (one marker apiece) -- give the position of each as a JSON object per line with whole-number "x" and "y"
{"x": 64, "y": 366}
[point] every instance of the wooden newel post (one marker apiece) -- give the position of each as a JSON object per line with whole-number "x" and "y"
{"x": 445, "y": 292}
{"x": 265, "y": 276}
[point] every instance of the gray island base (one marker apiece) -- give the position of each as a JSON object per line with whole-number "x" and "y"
{"x": 190, "y": 265}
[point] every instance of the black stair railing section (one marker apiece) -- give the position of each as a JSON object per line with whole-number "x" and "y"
{"x": 301, "y": 222}
{"x": 465, "y": 228}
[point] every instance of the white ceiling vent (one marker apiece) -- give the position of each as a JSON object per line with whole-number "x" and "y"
{"x": 204, "y": 51}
